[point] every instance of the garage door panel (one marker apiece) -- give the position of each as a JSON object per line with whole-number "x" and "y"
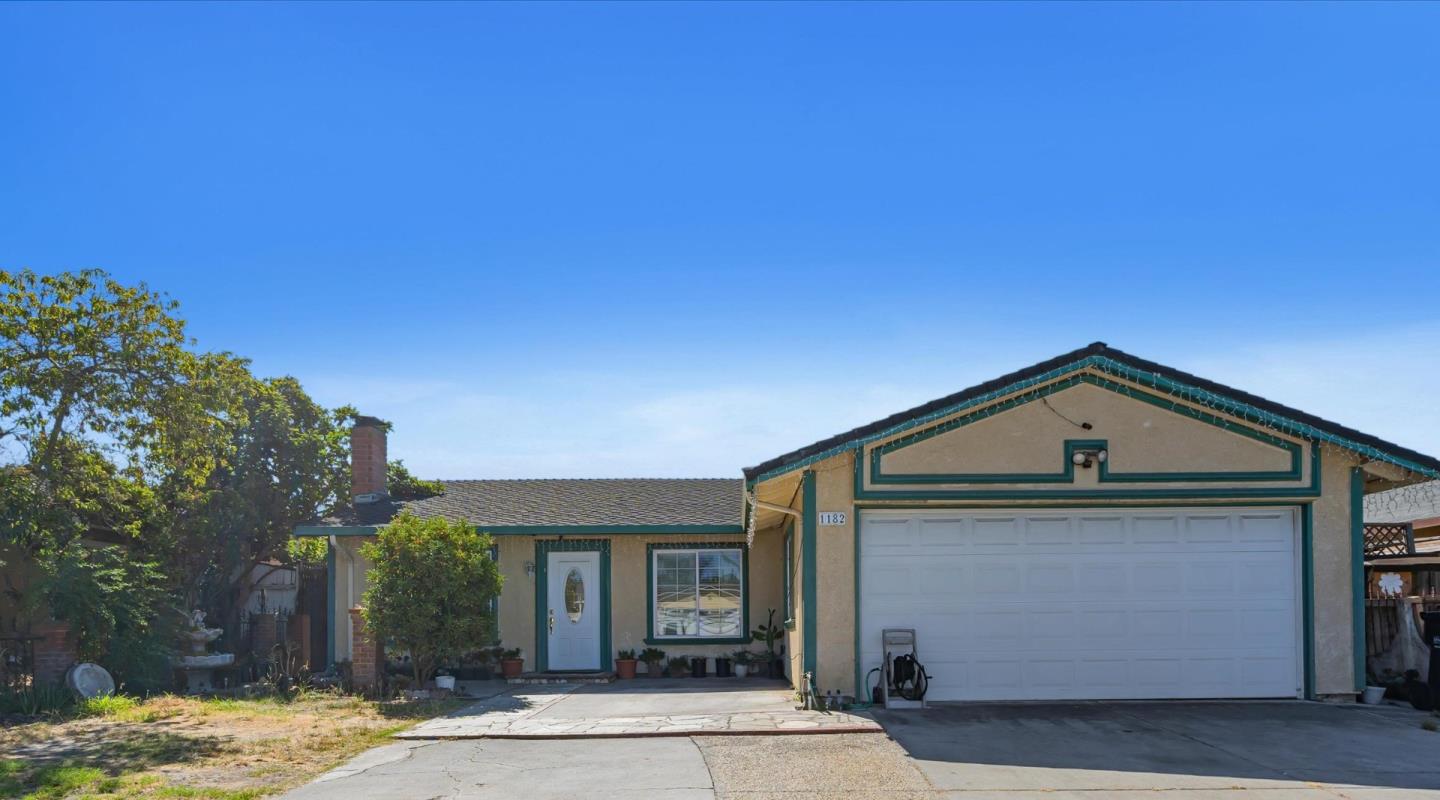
{"x": 1087, "y": 605}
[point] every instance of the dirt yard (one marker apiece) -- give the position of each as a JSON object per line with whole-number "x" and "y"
{"x": 182, "y": 747}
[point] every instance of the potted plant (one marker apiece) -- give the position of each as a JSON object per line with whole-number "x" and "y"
{"x": 625, "y": 664}
{"x": 444, "y": 680}
{"x": 679, "y": 667}
{"x": 654, "y": 659}
{"x": 742, "y": 662}
{"x": 770, "y": 633}
{"x": 722, "y": 667}
{"x": 697, "y": 667}
{"x": 512, "y": 662}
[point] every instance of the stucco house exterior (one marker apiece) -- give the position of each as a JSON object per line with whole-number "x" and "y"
{"x": 1096, "y": 526}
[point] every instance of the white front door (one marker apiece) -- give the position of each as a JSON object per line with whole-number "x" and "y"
{"x": 1088, "y": 604}
{"x": 572, "y": 582}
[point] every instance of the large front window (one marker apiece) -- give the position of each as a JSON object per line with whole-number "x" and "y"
{"x": 698, "y": 594}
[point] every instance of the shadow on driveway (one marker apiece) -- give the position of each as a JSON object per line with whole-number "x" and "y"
{"x": 1166, "y": 745}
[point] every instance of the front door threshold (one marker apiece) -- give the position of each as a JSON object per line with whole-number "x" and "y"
{"x": 540, "y": 678}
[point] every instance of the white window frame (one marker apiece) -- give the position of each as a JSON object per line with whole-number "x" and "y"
{"x": 654, "y": 589}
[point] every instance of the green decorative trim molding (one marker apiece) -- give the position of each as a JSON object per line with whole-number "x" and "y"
{"x": 1310, "y": 490}
{"x": 543, "y": 530}
{"x": 1193, "y": 395}
{"x": 1067, "y": 474}
{"x": 543, "y": 547}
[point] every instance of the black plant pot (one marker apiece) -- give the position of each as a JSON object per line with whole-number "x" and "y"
{"x": 722, "y": 668}
{"x": 777, "y": 668}
{"x": 697, "y": 667}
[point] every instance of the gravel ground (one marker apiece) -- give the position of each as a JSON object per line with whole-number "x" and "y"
{"x": 853, "y": 766}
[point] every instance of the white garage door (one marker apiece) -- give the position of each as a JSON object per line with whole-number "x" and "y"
{"x": 1102, "y": 604}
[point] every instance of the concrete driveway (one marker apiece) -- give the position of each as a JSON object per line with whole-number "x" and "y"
{"x": 1276, "y": 751}
{"x": 1089, "y": 751}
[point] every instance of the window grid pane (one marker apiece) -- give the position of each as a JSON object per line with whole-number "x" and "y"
{"x": 698, "y": 593}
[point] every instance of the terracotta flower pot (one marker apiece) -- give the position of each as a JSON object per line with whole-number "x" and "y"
{"x": 655, "y": 669}
{"x": 512, "y": 667}
{"x": 625, "y": 668}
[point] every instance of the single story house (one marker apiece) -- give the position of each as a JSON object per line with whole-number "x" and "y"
{"x": 1096, "y": 526}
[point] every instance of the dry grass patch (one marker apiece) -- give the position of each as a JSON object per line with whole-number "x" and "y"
{"x": 180, "y": 747}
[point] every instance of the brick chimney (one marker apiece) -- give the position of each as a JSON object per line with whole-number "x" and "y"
{"x": 367, "y": 460}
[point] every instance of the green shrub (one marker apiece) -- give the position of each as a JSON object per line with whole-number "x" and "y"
{"x": 43, "y": 699}
{"x": 108, "y": 706}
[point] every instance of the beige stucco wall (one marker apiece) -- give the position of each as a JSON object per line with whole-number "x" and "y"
{"x": 629, "y": 600}
{"x": 1334, "y": 579}
{"x": 1149, "y": 442}
{"x": 1030, "y": 439}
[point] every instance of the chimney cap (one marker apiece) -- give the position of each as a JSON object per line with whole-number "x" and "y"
{"x": 366, "y": 421}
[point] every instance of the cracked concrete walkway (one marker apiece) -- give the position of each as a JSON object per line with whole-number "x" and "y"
{"x": 639, "y": 708}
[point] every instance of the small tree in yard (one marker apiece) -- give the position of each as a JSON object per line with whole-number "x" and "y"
{"x": 430, "y": 589}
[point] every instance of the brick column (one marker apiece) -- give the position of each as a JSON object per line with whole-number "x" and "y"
{"x": 262, "y": 635}
{"x": 54, "y": 652}
{"x": 365, "y": 655}
{"x": 297, "y": 636}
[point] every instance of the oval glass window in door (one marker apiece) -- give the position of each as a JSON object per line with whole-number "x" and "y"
{"x": 574, "y": 595}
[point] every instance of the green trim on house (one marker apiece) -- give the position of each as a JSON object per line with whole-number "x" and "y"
{"x": 610, "y": 530}
{"x": 1307, "y": 576}
{"x": 651, "y": 638}
{"x": 331, "y": 588}
{"x": 543, "y": 547}
{"x": 336, "y": 530}
{"x": 542, "y": 530}
{"x": 1067, "y": 475}
{"x": 809, "y": 614}
{"x": 1193, "y": 395}
{"x": 1311, "y": 490}
{"x": 1357, "y": 572}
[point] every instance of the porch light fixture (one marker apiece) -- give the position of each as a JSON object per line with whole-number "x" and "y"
{"x": 1084, "y": 458}
{"x": 530, "y": 568}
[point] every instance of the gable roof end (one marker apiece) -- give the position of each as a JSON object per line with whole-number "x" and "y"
{"x": 1101, "y": 355}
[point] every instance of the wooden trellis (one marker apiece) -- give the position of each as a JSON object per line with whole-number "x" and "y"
{"x": 1389, "y": 539}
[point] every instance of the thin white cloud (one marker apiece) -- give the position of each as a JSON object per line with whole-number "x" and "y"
{"x": 612, "y": 424}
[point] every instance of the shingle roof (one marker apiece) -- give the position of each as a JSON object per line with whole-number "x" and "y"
{"x": 1102, "y": 350}
{"x": 570, "y": 502}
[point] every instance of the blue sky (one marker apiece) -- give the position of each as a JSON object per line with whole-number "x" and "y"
{"x": 599, "y": 240}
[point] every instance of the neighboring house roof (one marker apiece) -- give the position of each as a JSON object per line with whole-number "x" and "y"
{"x": 1419, "y": 503}
{"x": 566, "y": 503}
{"x": 1101, "y": 355}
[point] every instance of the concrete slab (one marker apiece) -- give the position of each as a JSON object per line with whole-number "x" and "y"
{"x": 1271, "y": 748}
{"x": 611, "y": 769}
{"x": 640, "y": 708}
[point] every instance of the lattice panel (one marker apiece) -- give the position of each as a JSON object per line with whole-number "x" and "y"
{"x": 1389, "y": 539}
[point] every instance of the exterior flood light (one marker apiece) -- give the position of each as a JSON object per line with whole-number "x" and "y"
{"x": 1085, "y": 458}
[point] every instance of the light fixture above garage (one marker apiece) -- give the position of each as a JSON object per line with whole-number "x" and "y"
{"x": 1084, "y": 458}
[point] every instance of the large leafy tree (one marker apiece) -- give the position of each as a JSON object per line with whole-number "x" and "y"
{"x": 430, "y": 589}
{"x": 113, "y": 425}
{"x": 284, "y": 462}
